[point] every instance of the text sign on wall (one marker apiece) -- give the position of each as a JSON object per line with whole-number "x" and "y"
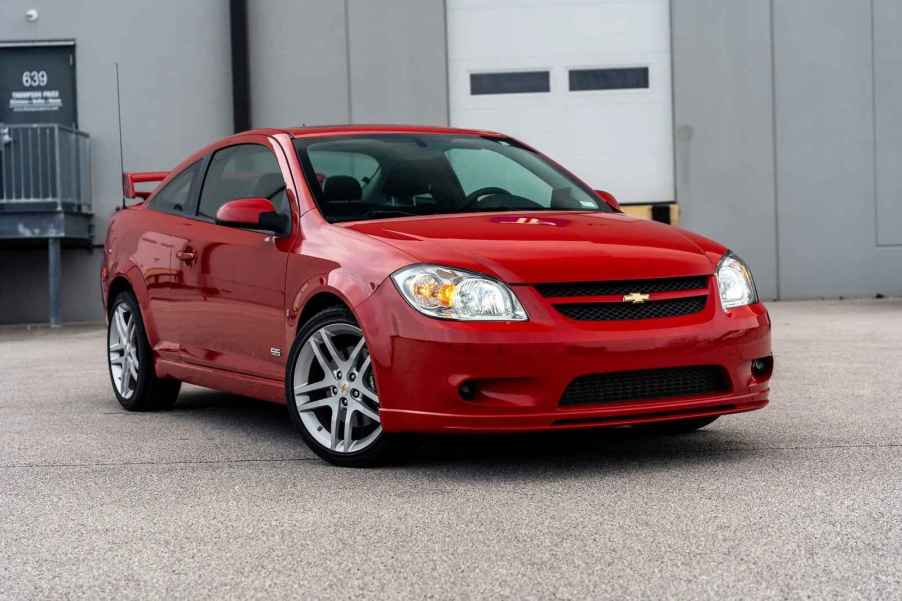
{"x": 37, "y": 84}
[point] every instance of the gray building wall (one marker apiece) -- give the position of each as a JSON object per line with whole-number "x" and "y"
{"x": 794, "y": 111}
{"x": 298, "y": 62}
{"x": 176, "y": 96}
{"x": 788, "y": 131}
{"x": 348, "y": 61}
{"x": 23, "y": 295}
{"x": 888, "y": 119}
{"x": 828, "y": 107}
{"x": 175, "y": 75}
{"x": 398, "y": 61}
{"x": 723, "y": 121}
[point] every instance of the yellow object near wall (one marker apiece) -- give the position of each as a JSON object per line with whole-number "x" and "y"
{"x": 644, "y": 211}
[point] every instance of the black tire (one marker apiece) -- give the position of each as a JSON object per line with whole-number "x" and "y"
{"x": 385, "y": 449}
{"x": 683, "y": 426}
{"x": 150, "y": 392}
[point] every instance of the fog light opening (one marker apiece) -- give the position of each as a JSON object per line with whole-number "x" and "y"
{"x": 467, "y": 390}
{"x": 762, "y": 367}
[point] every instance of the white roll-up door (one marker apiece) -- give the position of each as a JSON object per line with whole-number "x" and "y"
{"x": 588, "y": 82}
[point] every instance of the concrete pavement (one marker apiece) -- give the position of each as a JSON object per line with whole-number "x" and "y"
{"x": 220, "y": 499}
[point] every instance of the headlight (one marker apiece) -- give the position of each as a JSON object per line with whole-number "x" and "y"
{"x": 454, "y": 294}
{"x": 735, "y": 283}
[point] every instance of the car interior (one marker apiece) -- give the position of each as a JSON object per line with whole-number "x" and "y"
{"x": 357, "y": 178}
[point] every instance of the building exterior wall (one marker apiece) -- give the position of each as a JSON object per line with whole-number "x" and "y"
{"x": 175, "y": 75}
{"x": 788, "y": 139}
{"x": 298, "y": 62}
{"x": 24, "y": 292}
{"x": 787, "y": 131}
{"x": 351, "y": 61}
{"x": 887, "y": 20}
{"x": 176, "y": 96}
{"x": 828, "y": 105}
{"x": 398, "y": 61}
{"x": 723, "y": 128}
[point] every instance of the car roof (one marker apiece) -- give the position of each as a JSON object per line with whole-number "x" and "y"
{"x": 356, "y": 129}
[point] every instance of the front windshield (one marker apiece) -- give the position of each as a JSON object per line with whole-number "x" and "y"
{"x": 377, "y": 176}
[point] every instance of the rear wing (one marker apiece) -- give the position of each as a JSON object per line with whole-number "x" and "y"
{"x": 140, "y": 177}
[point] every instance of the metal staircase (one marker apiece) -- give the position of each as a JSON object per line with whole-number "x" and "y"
{"x": 45, "y": 193}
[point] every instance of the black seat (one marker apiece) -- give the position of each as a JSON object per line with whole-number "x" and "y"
{"x": 341, "y": 188}
{"x": 341, "y": 197}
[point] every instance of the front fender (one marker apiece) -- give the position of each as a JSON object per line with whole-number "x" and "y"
{"x": 340, "y": 282}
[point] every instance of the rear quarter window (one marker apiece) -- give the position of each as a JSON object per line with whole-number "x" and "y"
{"x": 175, "y": 197}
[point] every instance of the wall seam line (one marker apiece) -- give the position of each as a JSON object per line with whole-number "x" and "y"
{"x": 875, "y": 173}
{"x": 673, "y": 115}
{"x": 348, "y": 59}
{"x": 773, "y": 108}
{"x": 447, "y": 68}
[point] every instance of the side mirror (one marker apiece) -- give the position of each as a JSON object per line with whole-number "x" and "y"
{"x": 609, "y": 198}
{"x": 252, "y": 214}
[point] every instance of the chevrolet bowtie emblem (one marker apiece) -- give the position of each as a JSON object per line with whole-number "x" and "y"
{"x": 636, "y": 298}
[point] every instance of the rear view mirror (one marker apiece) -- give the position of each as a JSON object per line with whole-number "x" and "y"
{"x": 609, "y": 198}
{"x": 252, "y": 214}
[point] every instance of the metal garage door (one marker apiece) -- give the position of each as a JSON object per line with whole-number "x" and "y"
{"x": 586, "y": 81}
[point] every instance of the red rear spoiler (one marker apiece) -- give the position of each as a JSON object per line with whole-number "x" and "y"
{"x": 139, "y": 177}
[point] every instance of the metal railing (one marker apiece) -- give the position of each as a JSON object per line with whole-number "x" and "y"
{"x": 45, "y": 167}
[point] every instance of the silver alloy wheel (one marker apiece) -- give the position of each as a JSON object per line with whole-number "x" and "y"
{"x": 123, "y": 344}
{"x": 334, "y": 389}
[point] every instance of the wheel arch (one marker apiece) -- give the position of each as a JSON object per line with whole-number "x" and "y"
{"x": 132, "y": 281}
{"x": 319, "y": 301}
{"x": 118, "y": 285}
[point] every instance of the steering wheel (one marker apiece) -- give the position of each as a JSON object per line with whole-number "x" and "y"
{"x": 474, "y": 196}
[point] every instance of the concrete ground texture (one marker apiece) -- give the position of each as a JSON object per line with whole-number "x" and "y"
{"x": 220, "y": 499}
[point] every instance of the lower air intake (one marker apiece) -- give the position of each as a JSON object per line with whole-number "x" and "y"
{"x": 647, "y": 384}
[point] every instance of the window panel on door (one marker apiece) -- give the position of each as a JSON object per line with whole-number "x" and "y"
{"x": 242, "y": 171}
{"x": 523, "y": 82}
{"x": 175, "y": 197}
{"x": 608, "y": 79}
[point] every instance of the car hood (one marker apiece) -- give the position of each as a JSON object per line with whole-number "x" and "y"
{"x": 530, "y": 248}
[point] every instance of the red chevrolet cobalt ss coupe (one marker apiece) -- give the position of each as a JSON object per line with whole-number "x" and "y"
{"x": 387, "y": 280}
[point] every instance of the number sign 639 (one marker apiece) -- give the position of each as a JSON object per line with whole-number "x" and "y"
{"x": 34, "y": 78}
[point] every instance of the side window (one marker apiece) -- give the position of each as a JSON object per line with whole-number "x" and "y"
{"x": 243, "y": 171}
{"x": 174, "y": 197}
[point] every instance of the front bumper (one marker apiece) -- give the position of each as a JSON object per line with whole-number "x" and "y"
{"x": 521, "y": 369}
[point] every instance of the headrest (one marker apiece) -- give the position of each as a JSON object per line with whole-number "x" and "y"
{"x": 341, "y": 187}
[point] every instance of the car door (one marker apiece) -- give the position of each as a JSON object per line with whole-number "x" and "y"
{"x": 233, "y": 279}
{"x": 155, "y": 252}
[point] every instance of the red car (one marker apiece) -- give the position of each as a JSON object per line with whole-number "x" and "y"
{"x": 386, "y": 280}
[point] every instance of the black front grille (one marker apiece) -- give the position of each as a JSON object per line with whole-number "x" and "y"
{"x": 673, "y": 307}
{"x": 646, "y": 385}
{"x": 623, "y": 287}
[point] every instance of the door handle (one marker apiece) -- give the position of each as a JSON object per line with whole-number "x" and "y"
{"x": 187, "y": 255}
